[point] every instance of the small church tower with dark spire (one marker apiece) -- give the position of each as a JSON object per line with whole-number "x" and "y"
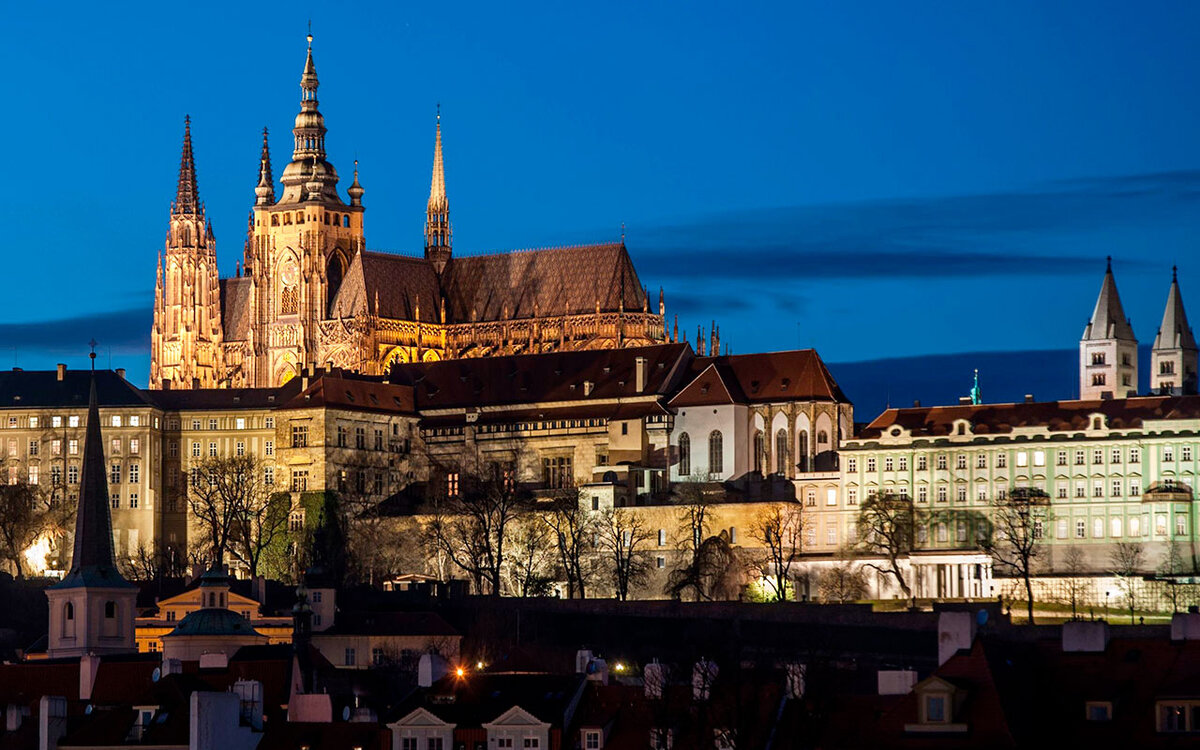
{"x": 186, "y": 340}
{"x": 1173, "y": 359}
{"x": 92, "y": 607}
{"x": 437, "y": 211}
{"x": 1108, "y": 349}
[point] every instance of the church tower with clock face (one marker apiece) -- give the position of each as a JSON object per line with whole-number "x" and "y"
{"x": 298, "y": 249}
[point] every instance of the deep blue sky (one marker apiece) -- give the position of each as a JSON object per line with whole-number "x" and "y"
{"x": 873, "y": 179}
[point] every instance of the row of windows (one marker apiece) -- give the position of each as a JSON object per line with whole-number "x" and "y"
{"x": 35, "y": 421}
{"x": 115, "y": 500}
{"x": 239, "y": 448}
{"x": 1117, "y": 489}
{"x": 114, "y": 473}
{"x": 336, "y": 220}
{"x": 1022, "y": 459}
{"x": 239, "y": 423}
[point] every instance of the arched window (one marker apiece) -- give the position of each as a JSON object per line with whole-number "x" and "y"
{"x": 716, "y": 452}
{"x": 69, "y": 611}
{"x": 685, "y": 454}
{"x": 288, "y": 303}
{"x": 110, "y": 610}
{"x": 758, "y": 451}
{"x": 275, "y": 220}
{"x": 333, "y": 278}
{"x": 802, "y": 450}
{"x": 346, "y": 222}
{"x": 781, "y": 452}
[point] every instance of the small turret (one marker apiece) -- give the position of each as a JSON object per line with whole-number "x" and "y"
{"x": 355, "y": 191}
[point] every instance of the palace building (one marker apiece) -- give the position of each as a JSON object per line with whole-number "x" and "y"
{"x": 308, "y": 290}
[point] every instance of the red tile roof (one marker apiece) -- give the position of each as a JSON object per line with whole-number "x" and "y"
{"x": 1056, "y": 416}
{"x": 759, "y": 378}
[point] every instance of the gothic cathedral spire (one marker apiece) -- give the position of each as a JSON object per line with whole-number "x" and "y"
{"x": 1173, "y": 360}
{"x": 309, "y": 164}
{"x": 265, "y": 190}
{"x": 186, "y": 341}
{"x": 437, "y": 211}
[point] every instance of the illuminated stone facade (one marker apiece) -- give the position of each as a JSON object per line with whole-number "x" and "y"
{"x": 308, "y": 290}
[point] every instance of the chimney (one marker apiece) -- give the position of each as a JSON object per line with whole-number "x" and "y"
{"x": 62, "y": 371}
{"x": 121, "y": 373}
{"x": 640, "y": 374}
{"x": 89, "y": 665}
{"x": 1029, "y": 398}
{"x": 587, "y": 387}
{"x": 956, "y": 630}
{"x": 582, "y": 657}
{"x": 430, "y": 669}
{"x": 916, "y": 403}
{"x": 1082, "y": 636}
{"x": 52, "y": 721}
{"x": 896, "y": 681}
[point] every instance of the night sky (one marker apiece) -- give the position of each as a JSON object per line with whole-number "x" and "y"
{"x": 876, "y": 180}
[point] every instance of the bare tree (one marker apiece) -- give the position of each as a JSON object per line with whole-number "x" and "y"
{"x": 691, "y": 534}
{"x": 1127, "y": 559}
{"x": 1074, "y": 567}
{"x": 26, "y": 515}
{"x": 887, "y": 528}
{"x": 1173, "y": 565}
{"x": 531, "y": 549}
{"x": 780, "y": 530}
{"x": 1018, "y": 535}
{"x": 845, "y": 581}
{"x": 472, "y": 513}
{"x": 574, "y": 531}
{"x": 241, "y": 515}
{"x": 622, "y": 535}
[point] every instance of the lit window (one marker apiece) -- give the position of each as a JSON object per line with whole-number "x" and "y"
{"x": 1039, "y": 458}
{"x": 73, "y": 421}
{"x": 1097, "y": 528}
{"x": 240, "y": 423}
{"x": 135, "y": 421}
{"x": 135, "y": 445}
{"x": 116, "y": 420}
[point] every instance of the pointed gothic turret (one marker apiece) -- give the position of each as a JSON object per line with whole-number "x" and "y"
{"x": 265, "y": 190}
{"x": 1108, "y": 349}
{"x": 92, "y": 607}
{"x": 187, "y": 194}
{"x": 437, "y": 211}
{"x": 1173, "y": 361}
{"x": 185, "y": 343}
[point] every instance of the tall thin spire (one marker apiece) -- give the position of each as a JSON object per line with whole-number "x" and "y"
{"x": 1108, "y": 318}
{"x": 187, "y": 194}
{"x": 437, "y": 211}
{"x": 310, "y": 125}
{"x": 265, "y": 190}
{"x": 1174, "y": 333}
{"x": 92, "y": 557}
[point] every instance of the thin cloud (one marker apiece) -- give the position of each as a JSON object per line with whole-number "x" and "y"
{"x": 120, "y": 329}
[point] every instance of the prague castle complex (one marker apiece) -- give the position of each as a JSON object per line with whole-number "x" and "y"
{"x": 309, "y": 291}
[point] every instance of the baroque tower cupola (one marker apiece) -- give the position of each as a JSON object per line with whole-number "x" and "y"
{"x": 437, "y": 211}
{"x": 1108, "y": 349}
{"x": 1173, "y": 358}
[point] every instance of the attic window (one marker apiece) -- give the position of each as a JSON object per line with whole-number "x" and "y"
{"x": 350, "y": 397}
{"x": 704, "y": 388}
{"x": 754, "y": 386}
{"x": 373, "y": 399}
{"x": 783, "y": 384}
{"x": 607, "y": 368}
{"x": 396, "y": 400}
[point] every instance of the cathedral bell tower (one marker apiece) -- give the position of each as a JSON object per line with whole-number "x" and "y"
{"x": 300, "y": 247}
{"x": 1108, "y": 349}
{"x": 186, "y": 340}
{"x": 1173, "y": 359}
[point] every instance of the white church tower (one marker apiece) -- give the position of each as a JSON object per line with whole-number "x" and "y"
{"x": 1173, "y": 359}
{"x": 1108, "y": 350}
{"x": 92, "y": 607}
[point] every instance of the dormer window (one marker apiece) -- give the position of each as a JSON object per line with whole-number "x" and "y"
{"x": 1178, "y": 716}
{"x": 936, "y": 701}
{"x": 935, "y": 709}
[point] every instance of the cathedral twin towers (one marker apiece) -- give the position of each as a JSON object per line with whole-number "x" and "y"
{"x": 308, "y": 291}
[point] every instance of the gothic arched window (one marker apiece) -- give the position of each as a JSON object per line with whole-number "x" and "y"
{"x": 716, "y": 452}
{"x": 759, "y": 449}
{"x": 288, "y": 302}
{"x": 781, "y": 452}
{"x": 685, "y": 454}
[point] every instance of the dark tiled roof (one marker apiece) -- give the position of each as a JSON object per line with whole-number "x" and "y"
{"x": 548, "y": 282}
{"x": 337, "y": 390}
{"x": 235, "y": 308}
{"x": 179, "y": 399}
{"x": 479, "y": 698}
{"x": 760, "y": 378}
{"x": 529, "y": 378}
{"x": 1055, "y": 416}
{"x": 332, "y": 736}
{"x": 399, "y": 282}
{"x": 34, "y": 388}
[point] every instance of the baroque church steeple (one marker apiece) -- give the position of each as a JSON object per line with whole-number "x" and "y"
{"x": 186, "y": 339}
{"x": 1108, "y": 348}
{"x": 1173, "y": 360}
{"x": 91, "y": 608}
{"x": 437, "y": 211}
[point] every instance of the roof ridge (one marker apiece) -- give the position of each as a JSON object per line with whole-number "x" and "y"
{"x": 542, "y": 249}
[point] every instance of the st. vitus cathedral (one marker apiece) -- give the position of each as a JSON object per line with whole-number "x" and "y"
{"x": 310, "y": 292}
